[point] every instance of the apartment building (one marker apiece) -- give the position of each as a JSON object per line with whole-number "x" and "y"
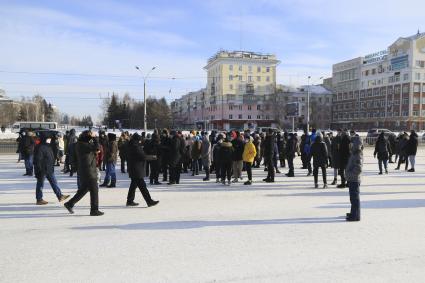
{"x": 383, "y": 89}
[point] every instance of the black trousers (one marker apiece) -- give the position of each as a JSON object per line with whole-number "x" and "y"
{"x": 84, "y": 187}
{"x": 140, "y": 183}
{"x": 270, "y": 168}
{"x": 175, "y": 172}
{"x": 354, "y": 188}
{"x": 308, "y": 162}
{"x": 316, "y": 173}
{"x": 226, "y": 171}
{"x": 291, "y": 165}
{"x": 123, "y": 160}
{"x": 341, "y": 172}
{"x": 154, "y": 174}
{"x": 248, "y": 167}
{"x": 217, "y": 170}
{"x": 207, "y": 172}
{"x": 164, "y": 167}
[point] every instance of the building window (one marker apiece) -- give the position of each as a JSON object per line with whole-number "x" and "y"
{"x": 249, "y": 68}
{"x": 258, "y": 78}
{"x": 240, "y": 67}
{"x": 268, "y": 69}
{"x": 249, "y": 78}
{"x": 230, "y": 107}
{"x": 267, "y": 117}
{"x": 417, "y": 88}
{"x": 416, "y": 100}
{"x": 258, "y": 69}
{"x": 258, "y": 107}
{"x": 418, "y": 76}
{"x": 267, "y": 78}
{"x": 230, "y": 86}
{"x": 240, "y": 78}
{"x": 230, "y": 78}
{"x": 405, "y": 77}
{"x": 230, "y": 116}
{"x": 240, "y": 116}
{"x": 415, "y": 113}
{"x": 249, "y": 107}
{"x": 258, "y": 116}
{"x": 249, "y": 117}
{"x": 230, "y": 67}
{"x": 240, "y": 107}
{"x": 405, "y": 101}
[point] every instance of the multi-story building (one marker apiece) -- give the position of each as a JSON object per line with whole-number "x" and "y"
{"x": 320, "y": 106}
{"x": 238, "y": 85}
{"x": 384, "y": 89}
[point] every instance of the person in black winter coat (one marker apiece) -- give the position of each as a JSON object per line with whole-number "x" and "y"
{"x": 238, "y": 146}
{"x": 269, "y": 150}
{"x": 137, "y": 171}
{"x": 28, "y": 145}
{"x": 225, "y": 158}
{"x": 411, "y": 149}
{"x": 291, "y": 148}
{"x": 85, "y": 154}
{"x": 402, "y": 146}
{"x": 392, "y": 140}
{"x": 44, "y": 162}
{"x": 319, "y": 153}
{"x": 383, "y": 150}
{"x": 165, "y": 149}
{"x": 175, "y": 154}
{"x": 152, "y": 147}
{"x": 344, "y": 155}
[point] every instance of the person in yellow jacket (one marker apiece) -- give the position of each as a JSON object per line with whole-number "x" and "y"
{"x": 249, "y": 153}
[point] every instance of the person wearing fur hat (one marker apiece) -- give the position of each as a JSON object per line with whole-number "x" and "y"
{"x": 111, "y": 155}
{"x": 353, "y": 176}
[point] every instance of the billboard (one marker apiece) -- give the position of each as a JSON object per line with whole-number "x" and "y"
{"x": 293, "y": 109}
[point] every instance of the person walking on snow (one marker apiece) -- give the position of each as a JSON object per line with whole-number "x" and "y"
{"x": 44, "y": 162}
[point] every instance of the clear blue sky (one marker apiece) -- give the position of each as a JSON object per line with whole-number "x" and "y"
{"x": 108, "y": 38}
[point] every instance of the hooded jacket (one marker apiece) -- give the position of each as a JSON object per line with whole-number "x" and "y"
{"x": 355, "y": 162}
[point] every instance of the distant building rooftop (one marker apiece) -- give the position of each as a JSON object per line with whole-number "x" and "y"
{"x": 241, "y": 54}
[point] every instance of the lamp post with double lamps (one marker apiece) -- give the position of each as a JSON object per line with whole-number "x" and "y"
{"x": 145, "y": 121}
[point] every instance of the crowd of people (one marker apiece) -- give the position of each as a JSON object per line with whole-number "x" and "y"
{"x": 225, "y": 154}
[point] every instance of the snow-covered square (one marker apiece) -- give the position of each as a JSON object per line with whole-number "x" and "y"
{"x": 286, "y": 231}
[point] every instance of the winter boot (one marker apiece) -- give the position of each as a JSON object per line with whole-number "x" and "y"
{"x": 153, "y": 203}
{"x": 249, "y": 182}
{"x": 132, "y": 203}
{"x": 68, "y": 207}
{"x": 113, "y": 184}
{"x": 334, "y": 182}
{"x": 96, "y": 213}
{"x": 41, "y": 202}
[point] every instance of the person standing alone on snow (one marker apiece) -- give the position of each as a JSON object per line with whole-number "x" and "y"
{"x": 353, "y": 176}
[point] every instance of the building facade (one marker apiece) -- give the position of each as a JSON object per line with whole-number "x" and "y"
{"x": 385, "y": 89}
{"x": 239, "y": 84}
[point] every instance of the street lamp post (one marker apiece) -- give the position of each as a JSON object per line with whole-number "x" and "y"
{"x": 145, "y": 121}
{"x": 308, "y": 104}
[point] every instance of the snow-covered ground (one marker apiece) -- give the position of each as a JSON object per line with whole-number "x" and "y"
{"x": 205, "y": 232}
